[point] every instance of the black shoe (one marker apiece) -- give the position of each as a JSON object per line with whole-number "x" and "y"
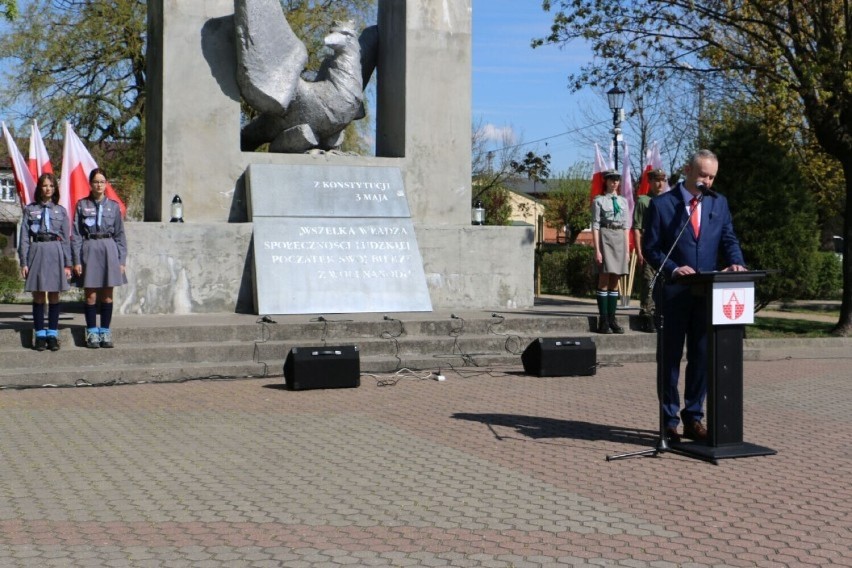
{"x": 40, "y": 343}
{"x": 646, "y": 324}
{"x": 603, "y": 325}
{"x": 672, "y": 435}
{"x": 53, "y": 343}
{"x": 613, "y": 324}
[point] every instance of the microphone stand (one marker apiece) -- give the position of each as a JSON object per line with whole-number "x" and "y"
{"x": 662, "y": 440}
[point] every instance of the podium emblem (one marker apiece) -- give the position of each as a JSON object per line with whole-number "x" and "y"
{"x": 733, "y": 303}
{"x": 733, "y": 308}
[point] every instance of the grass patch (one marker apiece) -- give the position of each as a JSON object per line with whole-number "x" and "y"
{"x": 818, "y": 310}
{"x": 768, "y": 328}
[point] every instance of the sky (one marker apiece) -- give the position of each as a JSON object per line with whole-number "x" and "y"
{"x": 526, "y": 90}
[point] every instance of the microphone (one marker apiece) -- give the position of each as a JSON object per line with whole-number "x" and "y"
{"x": 706, "y": 190}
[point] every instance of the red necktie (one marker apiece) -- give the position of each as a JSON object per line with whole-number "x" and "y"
{"x": 694, "y": 215}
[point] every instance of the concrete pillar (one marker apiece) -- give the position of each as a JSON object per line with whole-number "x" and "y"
{"x": 194, "y": 113}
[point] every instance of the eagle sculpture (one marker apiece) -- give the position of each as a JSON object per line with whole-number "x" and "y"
{"x": 298, "y": 113}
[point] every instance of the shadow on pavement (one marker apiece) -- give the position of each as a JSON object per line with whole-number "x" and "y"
{"x": 536, "y": 428}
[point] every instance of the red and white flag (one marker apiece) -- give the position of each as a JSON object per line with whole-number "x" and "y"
{"x": 39, "y": 162}
{"x": 653, "y": 161}
{"x": 77, "y": 164}
{"x": 597, "y": 175}
{"x": 23, "y": 178}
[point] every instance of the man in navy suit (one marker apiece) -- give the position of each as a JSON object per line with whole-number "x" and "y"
{"x": 709, "y": 236}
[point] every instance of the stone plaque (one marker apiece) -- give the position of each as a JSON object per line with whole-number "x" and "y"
{"x": 326, "y": 191}
{"x": 334, "y": 239}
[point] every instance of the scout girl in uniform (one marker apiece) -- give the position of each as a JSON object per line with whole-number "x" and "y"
{"x": 610, "y": 230}
{"x": 45, "y": 255}
{"x": 99, "y": 248}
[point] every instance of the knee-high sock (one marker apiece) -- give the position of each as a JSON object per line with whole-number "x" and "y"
{"x": 603, "y": 302}
{"x": 91, "y": 312}
{"x": 106, "y": 314}
{"x": 38, "y": 316}
{"x": 613, "y": 301}
{"x": 53, "y": 317}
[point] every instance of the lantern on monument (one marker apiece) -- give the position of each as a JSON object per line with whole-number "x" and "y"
{"x": 177, "y": 210}
{"x": 478, "y": 213}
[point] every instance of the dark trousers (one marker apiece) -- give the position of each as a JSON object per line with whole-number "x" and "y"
{"x": 684, "y": 321}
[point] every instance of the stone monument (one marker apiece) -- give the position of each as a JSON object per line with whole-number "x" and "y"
{"x": 299, "y": 114}
{"x": 423, "y": 129}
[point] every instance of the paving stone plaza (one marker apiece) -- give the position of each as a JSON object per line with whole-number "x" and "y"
{"x": 488, "y": 468}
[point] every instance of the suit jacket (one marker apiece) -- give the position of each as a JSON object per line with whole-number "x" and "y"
{"x": 665, "y": 217}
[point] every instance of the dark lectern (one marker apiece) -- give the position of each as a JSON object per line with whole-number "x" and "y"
{"x": 730, "y": 305}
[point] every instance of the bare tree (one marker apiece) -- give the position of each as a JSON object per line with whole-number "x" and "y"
{"x": 492, "y": 168}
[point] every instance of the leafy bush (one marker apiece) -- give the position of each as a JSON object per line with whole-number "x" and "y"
{"x": 498, "y": 206}
{"x": 568, "y": 271}
{"x": 829, "y": 277}
{"x": 10, "y": 279}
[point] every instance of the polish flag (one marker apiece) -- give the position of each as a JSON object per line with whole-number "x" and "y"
{"x": 597, "y": 175}
{"x": 626, "y": 190}
{"x": 653, "y": 161}
{"x": 24, "y": 181}
{"x": 39, "y": 162}
{"x": 77, "y": 164}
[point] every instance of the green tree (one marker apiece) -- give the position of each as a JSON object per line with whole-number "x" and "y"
{"x": 83, "y": 62}
{"x": 567, "y": 204}
{"x": 780, "y": 55}
{"x": 9, "y": 9}
{"x": 498, "y": 206}
{"x": 775, "y": 219}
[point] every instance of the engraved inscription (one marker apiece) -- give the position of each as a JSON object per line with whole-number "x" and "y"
{"x": 334, "y": 239}
{"x": 381, "y": 251}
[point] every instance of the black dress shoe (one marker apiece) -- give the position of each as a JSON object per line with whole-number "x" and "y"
{"x": 672, "y": 435}
{"x": 695, "y": 431}
{"x": 40, "y": 343}
{"x": 53, "y": 343}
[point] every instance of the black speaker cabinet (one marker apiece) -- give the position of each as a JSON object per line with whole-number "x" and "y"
{"x": 560, "y": 357}
{"x": 322, "y": 368}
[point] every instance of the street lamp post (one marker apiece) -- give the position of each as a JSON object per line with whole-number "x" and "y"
{"x": 615, "y": 98}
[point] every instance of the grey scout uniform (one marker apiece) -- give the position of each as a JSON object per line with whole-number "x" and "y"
{"x": 99, "y": 243}
{"x": 43, "y": 247}
{"x": 611, "y": 226}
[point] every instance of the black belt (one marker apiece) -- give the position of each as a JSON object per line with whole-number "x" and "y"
{"x": 44, "y": 238}
{"x": 611, "y": 226}
{"x": 98, "y": 236}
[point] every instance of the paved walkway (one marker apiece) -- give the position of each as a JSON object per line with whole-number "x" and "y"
{"x": 489, "y": 468}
